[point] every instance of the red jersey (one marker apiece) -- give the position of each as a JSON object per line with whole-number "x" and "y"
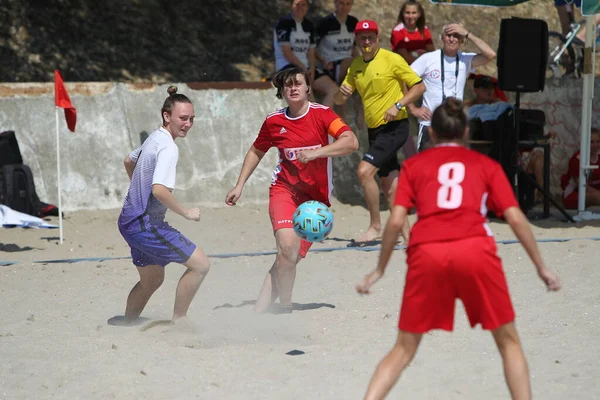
{"x": 569, "y": 179}
{"x": 307, "y": 132}
{"x": 451, "y": 187}
{"x": 411, "y": 41}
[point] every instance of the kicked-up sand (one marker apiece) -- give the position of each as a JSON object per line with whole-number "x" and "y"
{"x": 55, "y": 342}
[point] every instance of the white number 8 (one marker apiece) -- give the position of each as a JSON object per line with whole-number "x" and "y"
{"x": 450, "y": 194}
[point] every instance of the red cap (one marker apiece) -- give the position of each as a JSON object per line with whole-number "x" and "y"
{"x": 366, "y": 25}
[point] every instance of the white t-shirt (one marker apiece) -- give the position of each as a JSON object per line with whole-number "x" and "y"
{"x": 300, "y": 36}
{"x": 429, "y": 69}
{"x": 155, "y": 163}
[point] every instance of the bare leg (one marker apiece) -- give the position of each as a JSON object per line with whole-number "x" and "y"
{"x": 592, "y": 196}
{"x": 268, "y": 293}
{"x": 536, "y": 166}
{"x": 359, "y": 111}
{"x": 366, "y": 176}
{"x": 197, "y": 268}
{"x": 344, "y": 65}
{"x": 563, "y": 17}
{"x": 581, "y": 33}
{"x": 327, "y": 87}
{"x": 151, "y": 277}
{"x": 389, "y": 185}
{"x": 516, "y": 371}
{"x": 390, "y": 368}
{"x": 410, "y": 148}
{"x": 340, "y": 109}
{"x": 284, "y": 268}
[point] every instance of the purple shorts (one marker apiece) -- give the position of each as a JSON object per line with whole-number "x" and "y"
{"x": 158, "y": 245}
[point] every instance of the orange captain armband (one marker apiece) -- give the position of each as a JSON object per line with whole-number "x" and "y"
{"x": 336, "y": 126}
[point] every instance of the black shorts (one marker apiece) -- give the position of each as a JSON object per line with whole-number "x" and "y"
{"x": 384, "y": 143}
{"x": 334, "y": 73}
{"x": 319, "y": 73}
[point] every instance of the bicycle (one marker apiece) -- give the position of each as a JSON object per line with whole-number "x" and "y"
{"x": 565, "y": 52}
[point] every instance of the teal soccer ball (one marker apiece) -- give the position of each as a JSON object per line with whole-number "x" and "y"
{"x": 313, "y": 221}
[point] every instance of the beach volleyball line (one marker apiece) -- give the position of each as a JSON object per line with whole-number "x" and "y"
{"x": 273, "y": 252}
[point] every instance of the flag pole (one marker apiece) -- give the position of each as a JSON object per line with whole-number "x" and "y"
{"x": 60, "y": 224}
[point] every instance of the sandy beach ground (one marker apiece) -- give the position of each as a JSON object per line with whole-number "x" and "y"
{"x": 55, "y": 342}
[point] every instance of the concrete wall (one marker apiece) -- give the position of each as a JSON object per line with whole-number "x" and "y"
{"x": 112, "y": 118}
{"x": 111, "y": 121}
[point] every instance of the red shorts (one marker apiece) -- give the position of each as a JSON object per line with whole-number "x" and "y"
{"x": 282, "y": 206}
{"x": 439, "y": 273}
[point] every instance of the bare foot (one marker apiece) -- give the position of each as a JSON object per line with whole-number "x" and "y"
{"x": 370, "y": 235}
{"x": 182, "y": 324}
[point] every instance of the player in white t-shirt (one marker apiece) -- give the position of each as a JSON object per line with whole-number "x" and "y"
{"x": 153, "y": 242}
{"x": 449, "y": 79}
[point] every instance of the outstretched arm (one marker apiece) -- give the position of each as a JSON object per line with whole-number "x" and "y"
{"x": 251, "y": 161}
{"x": 520, "y": 226}
{"x": 164, "y": 195}
{"x": 415, "y": 92}
{"x": 390, "y": 238}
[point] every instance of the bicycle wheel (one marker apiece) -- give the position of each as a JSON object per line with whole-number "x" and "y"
{"x": 561, "y": 59}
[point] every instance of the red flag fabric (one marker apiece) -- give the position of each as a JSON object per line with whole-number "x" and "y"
{"x": 62, "y": 100}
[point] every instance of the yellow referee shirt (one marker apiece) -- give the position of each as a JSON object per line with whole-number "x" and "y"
{"x": 379, "y": 83}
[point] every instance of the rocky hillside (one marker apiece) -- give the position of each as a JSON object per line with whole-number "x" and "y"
{"x": 187, "y": 40}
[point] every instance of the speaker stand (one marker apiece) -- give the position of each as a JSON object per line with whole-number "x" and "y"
{"x": 515, "y": 165}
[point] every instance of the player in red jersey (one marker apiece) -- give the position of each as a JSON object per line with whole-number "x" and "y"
{"x": 451, "y": 251}
{"x": 301, "y": 133}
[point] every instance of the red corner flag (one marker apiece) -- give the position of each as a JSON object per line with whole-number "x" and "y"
{"x": 62, "y": 100}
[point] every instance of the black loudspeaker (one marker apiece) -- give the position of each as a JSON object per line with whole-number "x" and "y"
{"x": 522, "y": 55}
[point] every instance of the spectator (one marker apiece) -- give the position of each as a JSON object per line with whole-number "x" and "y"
{"x": 410, "y": 37}
{"x": 335, "y": 40}
{"x": 569, "y": 181}
{"x": 488, "y": 103}
{"x": 566, "y": 16}
{"x": 336, "y": 49}
{"x": 294, "y": 44}
{"x": 485, "y": 91}
{"x": 445, "y": 73}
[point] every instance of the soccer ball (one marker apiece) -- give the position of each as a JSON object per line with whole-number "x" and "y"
{"x": 313, "y": 221}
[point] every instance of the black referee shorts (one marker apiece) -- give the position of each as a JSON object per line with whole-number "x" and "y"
{"x": 384, "y": 143}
